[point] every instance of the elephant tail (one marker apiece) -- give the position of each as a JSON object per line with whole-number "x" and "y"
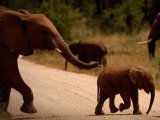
{"x": 98, "y": 92}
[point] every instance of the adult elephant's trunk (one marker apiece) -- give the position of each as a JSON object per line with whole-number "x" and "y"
{"x": 152, "y": 100}
{"x": 67, "y": 54}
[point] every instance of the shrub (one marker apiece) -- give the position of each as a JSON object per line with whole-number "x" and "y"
{"x": 61, "y": 14}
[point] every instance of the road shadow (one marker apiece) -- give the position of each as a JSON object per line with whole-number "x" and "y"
{"x": 69, "y": 116}
{"x": 111, "y": 114}
{"x": 54, "y": 117}
{"x": 121, "y": 115}
{"x": 156, "y": 116}
{"x": 30, "y": 118}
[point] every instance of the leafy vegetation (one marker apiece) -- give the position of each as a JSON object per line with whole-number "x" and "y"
{"x": 107, "y": 16}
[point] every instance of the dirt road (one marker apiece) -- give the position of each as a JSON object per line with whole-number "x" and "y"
{"x": 60, "y": 95}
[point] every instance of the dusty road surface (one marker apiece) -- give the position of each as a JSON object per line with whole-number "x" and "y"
{"x": 60, "y": 95}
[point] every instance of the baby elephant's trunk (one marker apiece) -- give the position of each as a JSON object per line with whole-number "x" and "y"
{"x": 151, "y": 101}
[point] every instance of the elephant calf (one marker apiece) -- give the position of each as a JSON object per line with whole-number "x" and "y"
{"x": 89, "y": 51}
{"x": 126, "y": 82}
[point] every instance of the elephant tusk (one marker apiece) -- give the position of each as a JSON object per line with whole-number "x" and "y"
{"x": 58, "y": 50}
{"x": 54, "y": 43}
{"x": 144, "y": 42}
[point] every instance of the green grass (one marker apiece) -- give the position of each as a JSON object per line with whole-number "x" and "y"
{"x": 123, "y": 51}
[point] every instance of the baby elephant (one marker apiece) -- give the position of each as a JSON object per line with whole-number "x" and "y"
{"x": 126, "y": 82}
{"x": 89, "y": 51}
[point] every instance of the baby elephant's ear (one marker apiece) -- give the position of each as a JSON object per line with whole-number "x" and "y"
{"x": 136, "y": 77}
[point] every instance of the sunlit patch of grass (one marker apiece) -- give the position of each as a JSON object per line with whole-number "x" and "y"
{"x": 123, "y": 51}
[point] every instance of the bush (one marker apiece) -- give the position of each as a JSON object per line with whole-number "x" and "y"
{"x": 123, "y": 17}
{"x": 61, "y": 14}
{"x": 117, "y": 16}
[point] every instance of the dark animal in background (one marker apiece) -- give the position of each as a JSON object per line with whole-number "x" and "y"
{"x": 88, "y": 51}
{"x": 126, "y": 82}
{"x": 20, "y": 33}
{"x": 154, "y": 35}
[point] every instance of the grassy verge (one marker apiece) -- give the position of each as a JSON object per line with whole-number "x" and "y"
{"x": 123, "y": 51}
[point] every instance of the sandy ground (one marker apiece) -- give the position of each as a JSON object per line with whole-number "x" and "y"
{"x": 61, "y": 95}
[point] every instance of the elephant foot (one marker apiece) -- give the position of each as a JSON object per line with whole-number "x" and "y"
{"x": 28, "y": 108}
{"x": 121, "y": 107}
{"x": 99, "y": 112}
{"x": 114, "y": 110}
{"x": 137, "y": 112}
{"x": 3, "y": 106}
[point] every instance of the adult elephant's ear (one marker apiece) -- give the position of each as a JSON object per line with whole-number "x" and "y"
{"x": 13, "y": 32}
{"x": 136, "y": 77}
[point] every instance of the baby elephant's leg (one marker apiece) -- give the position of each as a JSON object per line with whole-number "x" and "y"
{"x": 112, "y": 106}
{"x": 127, "y": 102}
{"x": 134, "y": 98}
{"x": 103, "y": 97}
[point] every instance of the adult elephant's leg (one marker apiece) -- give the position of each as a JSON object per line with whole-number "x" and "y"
{"x": 112, "y": 106}
{"x": 4, "y": 97}
{"x": 4, "y": 84}
{"x": 10, "y": 77}
{"x": 103, "y": 97}
{"x": 134, "y": 98}
{"x": 18, "y": 84}
{"x": 26, "y": 92}
{"x": 127, "y": 102}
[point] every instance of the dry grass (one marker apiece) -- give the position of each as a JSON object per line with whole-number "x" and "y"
{"x": 123, "y": 51}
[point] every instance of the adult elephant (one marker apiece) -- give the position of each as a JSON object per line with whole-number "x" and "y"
{"x": 154, "y": 35}
{"x": 126, "y": 82}
{"x": 89, "y": 51}
{"x": 20, "y": 34}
